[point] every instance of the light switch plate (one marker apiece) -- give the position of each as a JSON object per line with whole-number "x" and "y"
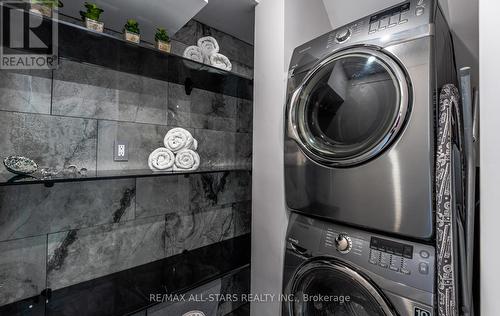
{"x": 120, "y": 150}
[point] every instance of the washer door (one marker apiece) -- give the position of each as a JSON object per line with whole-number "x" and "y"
{"x": 349, "y": 107}
{"x": 324, "y": 288}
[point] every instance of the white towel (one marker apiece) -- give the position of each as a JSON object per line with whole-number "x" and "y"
{"x": 161, "y": 159}
{"x": 220, "y": 61}
{"x": 208, "y": 46}
{"x": 186, "y": 160}
{"x": 194, "y": 53}
{"x": 178, "y": 139}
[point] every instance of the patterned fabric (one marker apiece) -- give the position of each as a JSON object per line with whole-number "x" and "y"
{"x": 446, "y": 283}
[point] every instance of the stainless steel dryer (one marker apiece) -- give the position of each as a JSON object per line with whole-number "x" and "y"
{"x": 336, "y": 270}
{"x": 360, "y": 120}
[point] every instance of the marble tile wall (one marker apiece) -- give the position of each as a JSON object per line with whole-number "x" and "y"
{"x": 239, "y": 52}
{"x": 72, "y": 232}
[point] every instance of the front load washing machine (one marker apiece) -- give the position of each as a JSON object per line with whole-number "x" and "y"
{"x": 336, "y": 270}
{"x": 361, "y": 117}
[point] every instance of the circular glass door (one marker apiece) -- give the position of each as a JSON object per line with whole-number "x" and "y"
{"x": 325, "y": 288}
{"x": 350, "y": 107}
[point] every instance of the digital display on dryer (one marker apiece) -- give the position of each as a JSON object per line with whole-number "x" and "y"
{"x": 387, "y": 13}
{"x": 392, "y": 247}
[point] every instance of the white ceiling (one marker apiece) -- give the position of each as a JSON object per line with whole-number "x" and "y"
{"x": 235, "y": 17}
{"x": 151, "y": 14}
{"x": 462, "y": 15}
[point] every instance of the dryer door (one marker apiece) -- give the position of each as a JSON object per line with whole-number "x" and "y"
{"x": 349, "y": 107}
{"x": 324, "y": 288}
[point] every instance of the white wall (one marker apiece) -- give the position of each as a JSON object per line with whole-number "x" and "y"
{"x": 489, "y": 70}
{"x": 280, "y": 26}
{"x": 269, "y": 218}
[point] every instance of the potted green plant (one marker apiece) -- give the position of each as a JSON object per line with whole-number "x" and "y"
{"x": 162, "y": 40}
{"x": 131, "y": 31}
{"x": 45, "y": 7}
{"x": 91, "y": 17}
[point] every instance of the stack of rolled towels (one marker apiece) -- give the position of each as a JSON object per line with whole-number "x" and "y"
{"x": 179, "y": 153}
{"x": 207, "y": 52}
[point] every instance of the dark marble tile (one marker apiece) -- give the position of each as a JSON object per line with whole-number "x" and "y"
{"x": 243, "y": 147}
{"x": 197, "y": 229}
{"x": 235, "y": 284}
{"x": 22, "y": 268}
{"x": 208, "y": 308}
{"x": 179, "y": 106}
{"x": 242, "y": 69}
{"x": 202, "y": 109}
{"x": 217, "y": 149}
{"x": 25, "y": 90}
{"x": 178, "y": 48}
{"x": 242, "y": 213}
{"x": 80, "y": 255}
{"x": 142, "y": 140}
{"x": 94, "y": 92}
{"x": 51, "y": 141}
{"x": 244, "y": 114}
{"x": 233, "y": 48}
{"x": 34, "y": 210}
{"x": 129, "y": 291}
{"x": 162, "y": 195}
{"x": 221, "y": 188}
{"x": 189, "y": 33}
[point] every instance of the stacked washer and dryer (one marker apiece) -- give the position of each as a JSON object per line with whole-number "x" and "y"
{"x": 360, "y": 153}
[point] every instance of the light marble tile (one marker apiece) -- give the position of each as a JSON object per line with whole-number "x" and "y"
{"x": 34, "y": 210}
{"x": 50, "y": 141}
{"x": 22, "y": 268}
{"x": 220, "y": 188}
{"x": 25, "y": 91}
{"x": 88, "y": 91}
{"x": 197, "y": 229}
{"x": 162, "y": 195}
{"x": 81, "y": 255}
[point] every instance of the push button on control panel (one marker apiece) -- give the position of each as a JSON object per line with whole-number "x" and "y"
{"x": 394, "y": 19}
{"x": 419, "y": 11}
{"x": 423, "y": 268}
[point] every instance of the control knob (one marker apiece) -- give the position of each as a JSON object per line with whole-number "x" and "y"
{"x": 343, "y": 243}
{"x": 343, "y": 35}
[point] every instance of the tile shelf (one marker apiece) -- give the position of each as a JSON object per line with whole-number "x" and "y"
{"x": 79, "y": 44}
{"x": 12, "y": 179}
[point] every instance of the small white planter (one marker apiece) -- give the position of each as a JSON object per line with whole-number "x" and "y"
{"x": 163, "y": 46}
{"x": 94, "y": 25}
{"x": 41, "y": 9}
{"x": 132, "y": 37}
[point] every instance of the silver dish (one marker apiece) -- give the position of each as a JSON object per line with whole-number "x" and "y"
{"x": 20, "y": 165}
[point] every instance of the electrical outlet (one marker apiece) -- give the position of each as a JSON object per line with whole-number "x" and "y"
{"x": 120, "y": 150}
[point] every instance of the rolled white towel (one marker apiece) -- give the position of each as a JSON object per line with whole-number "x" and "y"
{"x": 161, "y": 159}
{"x": 186, "y": 160}
{"x": 208, "y": 46}
{"x": 220, "y": 61}
{"x": 178, "y": 139}
{"x": 194, "y": 53}
{"x": 194, "y": 146}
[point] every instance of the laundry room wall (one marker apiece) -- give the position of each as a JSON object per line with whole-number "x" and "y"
{"x": 293, "y": 22}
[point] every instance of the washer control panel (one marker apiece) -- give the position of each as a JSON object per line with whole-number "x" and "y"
{"x": 394, "y": 259}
